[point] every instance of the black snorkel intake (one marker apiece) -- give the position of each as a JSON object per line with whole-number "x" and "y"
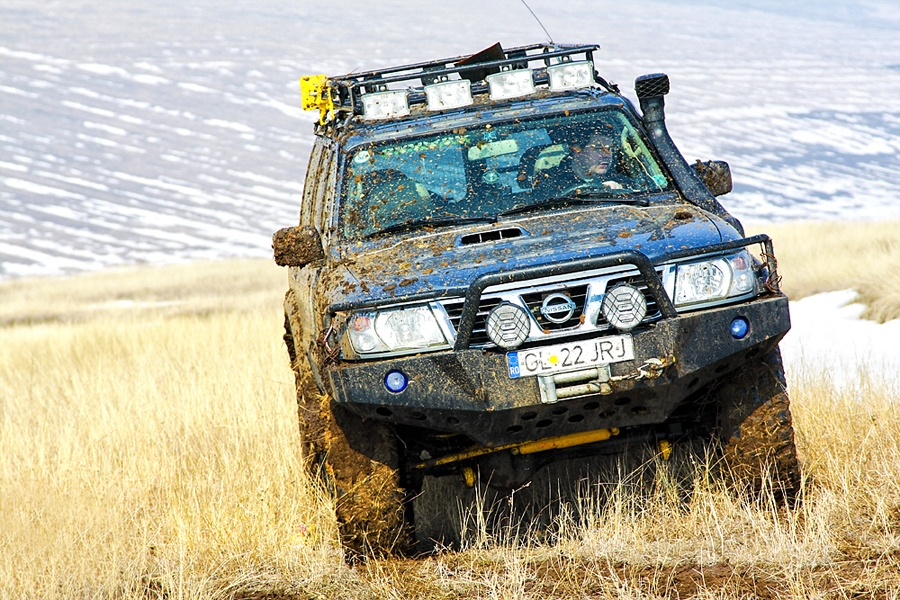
{"x": 651, "y": 91}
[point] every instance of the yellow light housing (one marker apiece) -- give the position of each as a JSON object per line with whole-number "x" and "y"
{"x": 315, "y": 94}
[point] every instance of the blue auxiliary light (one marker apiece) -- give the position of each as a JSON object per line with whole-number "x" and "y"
{"x": 739, "y": 328}
{"x": 395, "y": 381}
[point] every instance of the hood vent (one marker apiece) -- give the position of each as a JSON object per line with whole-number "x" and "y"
{"x": 494, "y": 235}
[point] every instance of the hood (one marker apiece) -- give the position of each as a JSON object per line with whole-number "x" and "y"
{"x": 445, "y": 262}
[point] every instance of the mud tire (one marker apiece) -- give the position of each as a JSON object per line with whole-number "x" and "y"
{"x": 439, "y": 511}
{"x": 755, "y": 429}
{"x": 356, "y": 459}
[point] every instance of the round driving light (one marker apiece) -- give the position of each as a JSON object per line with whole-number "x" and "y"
{"x": 739, "y": 328}
{"x": 624, "y": 307}
{"x": 395, "y": 382}
{"x": 507, "y": 325}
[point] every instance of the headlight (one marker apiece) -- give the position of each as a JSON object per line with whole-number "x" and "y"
{"x": 716, "y": 279}
{"x": 398, "y": 330}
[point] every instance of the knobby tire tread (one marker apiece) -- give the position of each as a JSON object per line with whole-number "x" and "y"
{"x": 356, "y": 459}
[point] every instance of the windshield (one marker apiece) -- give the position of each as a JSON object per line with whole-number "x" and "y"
{"x": 479, "y": 173}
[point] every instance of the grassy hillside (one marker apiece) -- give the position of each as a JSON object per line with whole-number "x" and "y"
{"x": 148, "y": 449}
{"x": 823, "y": 257}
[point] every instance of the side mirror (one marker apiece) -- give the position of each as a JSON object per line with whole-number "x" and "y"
{"x": 715, "y": 174}
{"x": 297, "y": 246}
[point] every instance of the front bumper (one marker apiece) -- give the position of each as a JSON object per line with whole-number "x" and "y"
{"x": 470, "y": 392}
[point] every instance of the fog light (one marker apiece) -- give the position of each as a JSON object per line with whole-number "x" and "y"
{"x": 739, "y": 328}
{"x": 395, "y": 382}
{"x": 508, "y": 325}
{"x": 624, "y": 307}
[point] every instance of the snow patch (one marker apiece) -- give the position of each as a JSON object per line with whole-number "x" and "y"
{"x": 828, "y": 339}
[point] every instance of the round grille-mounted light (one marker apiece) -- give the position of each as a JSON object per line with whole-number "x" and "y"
{"x": 508, "y": 325}
{"x": 624, "y": 307}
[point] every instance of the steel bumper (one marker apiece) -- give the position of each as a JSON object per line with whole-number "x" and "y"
{"x": 470, "y": 391}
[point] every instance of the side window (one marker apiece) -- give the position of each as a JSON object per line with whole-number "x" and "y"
{"x": 638, "y": 159}
{"x": 311, "y": 184}
{"x": 324, "y": 195}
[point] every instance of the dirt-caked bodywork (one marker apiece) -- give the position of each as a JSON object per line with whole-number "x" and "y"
{"x": 502, "y": 264}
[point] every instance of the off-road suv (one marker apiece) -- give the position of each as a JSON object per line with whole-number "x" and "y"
{"x": 502, "y": 266}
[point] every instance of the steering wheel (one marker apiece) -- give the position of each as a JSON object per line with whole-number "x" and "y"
{"x": 602, "y": 186}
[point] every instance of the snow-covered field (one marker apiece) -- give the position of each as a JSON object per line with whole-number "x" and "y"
{"x": 137, "y": 131}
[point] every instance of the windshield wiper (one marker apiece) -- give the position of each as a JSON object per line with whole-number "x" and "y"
{"x": 417, "y": 223}
{"x": 580, "y": 198}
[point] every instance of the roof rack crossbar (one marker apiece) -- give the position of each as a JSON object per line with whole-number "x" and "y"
{"x": 440, "y": 67}
{"x": 450, "y": 61}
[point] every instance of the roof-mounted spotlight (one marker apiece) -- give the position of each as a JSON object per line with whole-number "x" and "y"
{"x": 387, "y": 104}
{"x": 571, "y": 75}
{"x": 448, "y": 94}
{"x": 511, "y": 84}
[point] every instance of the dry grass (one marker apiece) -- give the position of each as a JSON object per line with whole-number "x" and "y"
{"x": 196, "y": 288}
{"x": 150, "y": 451}
{"x": 824, "y": 257}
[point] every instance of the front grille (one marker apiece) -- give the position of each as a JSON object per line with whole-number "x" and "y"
{"x": 454, "y": 310}
{"x": 535, "y": 300}
{"x": 585, "y": 292}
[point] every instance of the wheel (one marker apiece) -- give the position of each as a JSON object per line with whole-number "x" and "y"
{"x": 755, "y": 428}
{"x": 356, "y": 459}
{"x": 362, "y": 468}
{"x": 441, "y": 508}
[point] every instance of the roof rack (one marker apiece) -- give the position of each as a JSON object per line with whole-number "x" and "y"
{"x": 345, "y": 93}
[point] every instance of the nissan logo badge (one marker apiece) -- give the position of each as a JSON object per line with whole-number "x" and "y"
{"x": 558, "y": 308}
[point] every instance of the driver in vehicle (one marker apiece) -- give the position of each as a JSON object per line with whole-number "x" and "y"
{"x": 592, "y": 163}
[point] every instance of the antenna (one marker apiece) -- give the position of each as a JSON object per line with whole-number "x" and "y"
{"x": 549, "y": 37}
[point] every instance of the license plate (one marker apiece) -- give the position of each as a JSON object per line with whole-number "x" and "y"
{"x": 571, "y": 356}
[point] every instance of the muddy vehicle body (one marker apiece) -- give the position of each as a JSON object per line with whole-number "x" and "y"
{"x": 467, "y": 307}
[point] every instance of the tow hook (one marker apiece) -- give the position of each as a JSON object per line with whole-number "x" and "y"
{"x": 651, "y": 369}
